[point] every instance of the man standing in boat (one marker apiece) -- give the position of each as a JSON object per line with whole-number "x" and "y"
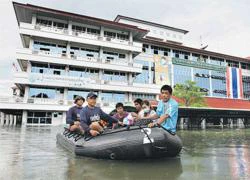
{"x": 167, "y": 110}
{"x": 93, "y": 118}
{"x": 73, "y": 115}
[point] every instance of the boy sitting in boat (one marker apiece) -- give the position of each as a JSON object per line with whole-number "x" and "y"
{"x": 120, "y": 114}
{"x": 138, "y": 106}
{"x": 167, "y": 110}
{"x": 73, "y": 115}
{"x": 93, "y": 119}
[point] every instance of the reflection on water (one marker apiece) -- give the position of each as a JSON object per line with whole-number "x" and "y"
{"x": 32, "y": 153}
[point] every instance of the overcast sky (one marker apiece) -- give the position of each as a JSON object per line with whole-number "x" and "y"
{"x": 223, "y": 24}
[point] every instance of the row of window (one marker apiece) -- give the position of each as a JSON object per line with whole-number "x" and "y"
{"x": 82, "y": 29}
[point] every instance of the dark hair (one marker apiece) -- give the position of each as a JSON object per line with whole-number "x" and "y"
{"x": 79, "y": 98}
{"x": 119, "y": 105}
{"x": 166, "y": 88}
{"x": 139, "y": 101}
{"x": 146, "y": 102}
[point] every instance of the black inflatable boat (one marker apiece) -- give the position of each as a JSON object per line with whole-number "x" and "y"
{"x": 135, "y": 142}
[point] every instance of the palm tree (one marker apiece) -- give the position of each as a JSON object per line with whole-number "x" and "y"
{"x": 190, "y": 95}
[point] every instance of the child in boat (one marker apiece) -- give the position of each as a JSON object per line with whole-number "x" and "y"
{"x": 73, "y": 115}
{"x": 93, "y": 118}
{"x": 138, "y": 106}
{"x": 147, "y": 110}
{"x": 120, "y": 114}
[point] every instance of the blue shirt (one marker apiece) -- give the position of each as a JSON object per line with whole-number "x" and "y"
{"x": 170, "y": 108}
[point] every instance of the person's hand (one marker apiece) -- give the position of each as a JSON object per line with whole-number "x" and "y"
{"x": 137, "y": 118}
{"x": 120, "y": 123}
{"x": 94, "y": 132}
{"x": 150, "y": 125}
{"x": 77, "y": 123}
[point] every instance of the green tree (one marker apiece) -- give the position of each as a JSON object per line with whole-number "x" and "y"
{"x": 190, "y": 95}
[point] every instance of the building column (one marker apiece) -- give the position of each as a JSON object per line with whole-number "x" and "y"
{"x": 29, "y": 67}
{"x": 7, "y": 117}
{"x": 210, "y": 83}
{"x": 171, "y": 53}
{"x": 172, "y": 75}
{"x": 240, "y": 123}
{"x": 221, "y": 122}
{"x": 101, "y": 31}
{"x": 181, "y": 123}
{"x": 31, "y": 43}
{"x": 33, "y": 20}
{"x": 192, "y": 74}
{"x": 70, "y": 27}
{"x": 64, "y": 118}
{"x": 24, "y": 117}
{"x": 26, "y": 94}
{"x": 130, "y": 79}
{"x": 100, "y": 74}
{"x": 203, "y": 123}
{"x": 150, "y": 79}
{"x": 2, "y": 119}
{"x": 231, "y": 123}
{"x": 130, "y": 38}
{"x": 101, "y": 59}
{"x": 130, "y": 97}
{"x": 68, "y": 50}
{"x": 14, "y": 121}
{"x": 65, "y": 96}
{"x": 11, "y": 119}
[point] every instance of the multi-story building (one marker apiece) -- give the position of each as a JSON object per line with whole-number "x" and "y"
{"x": 66, "y": 54}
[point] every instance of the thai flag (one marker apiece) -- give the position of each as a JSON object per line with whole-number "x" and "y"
{"x": 234, "y": 83}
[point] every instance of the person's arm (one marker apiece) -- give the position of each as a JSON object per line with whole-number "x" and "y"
{"x": 172, "y": 109}
{"x": 107, "y": 117}
{"x": 69, "y": 118}
{"x": 84, "y": 121}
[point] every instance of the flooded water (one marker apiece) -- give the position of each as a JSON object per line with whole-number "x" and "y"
{"x": 32, "y": 153}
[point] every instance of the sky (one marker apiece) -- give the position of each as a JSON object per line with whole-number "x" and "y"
{"x": 223, "y": 25}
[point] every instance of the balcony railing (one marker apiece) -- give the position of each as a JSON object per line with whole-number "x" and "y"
{"x": 121, "y": 62}
{"x": 87, "y": 35}
{"x": 197, "y": 64}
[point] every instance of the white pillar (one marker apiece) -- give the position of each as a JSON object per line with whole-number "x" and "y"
{"x": 28, "y": 67}
{"x": 11, "y": 119}
{"x": 192, "y": 74}
{"x": 24, "y": 117}
{"x": 181, "y": 123}
{"x": 7, "y": 119}
{"x": 130, "y": 37}
{"x": 150, "y": 79}
{"x": 240, "y": 123}
{"x": 100, "y": 74}
{"x": 130, "y": 97}
{"x": 221, "y": 122}
{"x": 31, "y": 44}
{"x": 68, "y": 49}
{"x": 203, "y": 123}
{"x": 14, "y": 121}
{"x": 2, "y": 119}
{"x": 64, "y": 118}
{"x": 33, "y": 20}
{"x": 101, "y": 59}
{"x": 172, "y": 75}
{"x": 70, "y": 27}
{"x": 65, "y": 96}
{"x": 26, "y": 93}
{"x": 130, "y": 57}
{"x": 210, "y": 83}
{"x": 101, "y": 31}
{"x": 231, "y": 123}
